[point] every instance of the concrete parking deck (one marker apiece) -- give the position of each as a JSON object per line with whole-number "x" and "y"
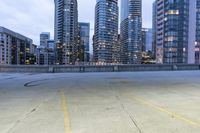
{"x": 138, "y": 102}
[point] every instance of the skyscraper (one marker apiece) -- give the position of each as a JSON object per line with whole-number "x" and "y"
{"x": 176, "y": 29}
{"x": 106, "y": 30}
{"x": 197, "y": 44}
{"x": 66, "y": 31}
{"x": 154, "y": 26}
{"x": 85, "y": 39}
{"x": 131, "y": 26}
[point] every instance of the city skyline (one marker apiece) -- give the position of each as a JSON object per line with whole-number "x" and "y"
{"x": 27, "y": 20}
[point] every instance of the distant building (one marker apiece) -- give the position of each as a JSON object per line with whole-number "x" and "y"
{"x": 131, "y": 26}
{"x": 146, "y": 39}
{"x": 44, "y": 36}
{"x": 106, "y": 30}
{"x": 175, "y": 31}
{"x": 46, "y": 54}
{"x": 34, "y": 54}
{"x": 84, "y": 29}
{"x": 66, "y": 31}
{"x": 42, "y": 57}
{"x": 51, "y": 52}
{"x": 34, "y": 48}
{"x": 15, "y": 48}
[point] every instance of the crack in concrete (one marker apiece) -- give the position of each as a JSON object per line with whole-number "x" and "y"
{"x": 124, "y": 109}
{"x": 130, "y": 116}
{"x": 26, "y": 115}
{"x": 135, "y": 123}
{"x": 20, "y": 120}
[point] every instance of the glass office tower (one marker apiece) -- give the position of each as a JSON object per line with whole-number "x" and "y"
{"x": 106, "y": 30}
{"x": 176, "y": 29}
{"x": 131, "y": 26}
{"x": 66, "y": 31}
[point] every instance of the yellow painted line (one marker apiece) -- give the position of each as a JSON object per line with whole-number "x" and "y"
{"x": 172, "y": 114}
{"x": 67, "y": 126}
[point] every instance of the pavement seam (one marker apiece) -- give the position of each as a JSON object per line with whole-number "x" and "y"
{"x": 129, "y": 115}
{"x": 123, "y": 107}
{"x": 17, "y": 122}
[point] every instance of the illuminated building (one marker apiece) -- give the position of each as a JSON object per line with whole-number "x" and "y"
{"x": 66, "y": 31}
{"x": 106, "y": 30}
{"x": 175, "y": 31}
{"x": 197, "y": 43}
{"x": 15, "y": 48}
{"x": 84, "y": 29}
{"x": 131, "y": 26}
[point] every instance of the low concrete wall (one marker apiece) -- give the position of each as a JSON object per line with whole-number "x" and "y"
{"x": 23, "y": 68}
{"x": 114, "y": 68}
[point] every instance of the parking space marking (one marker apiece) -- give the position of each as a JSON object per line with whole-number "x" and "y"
{"x": 160, "y": 109}
{"x": 67, "y": 126}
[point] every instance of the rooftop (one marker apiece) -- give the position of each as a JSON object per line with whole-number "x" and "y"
{"x": 131, "y": 102}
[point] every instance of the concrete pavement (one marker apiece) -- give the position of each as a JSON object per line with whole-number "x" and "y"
{"x": 139, "y": 102}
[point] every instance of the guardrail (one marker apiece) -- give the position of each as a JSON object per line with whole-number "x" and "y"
{"x": 95, "y": 68}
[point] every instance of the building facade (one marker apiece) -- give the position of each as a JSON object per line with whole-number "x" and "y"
{"x": 106, "y": 30}
{"x": 66, "y": 31}
{"x": 116, "y": 52}
{"x": 130, "y": 27}
{"x": 84, "y": 29}
{"x": 15, "y": 48}
{"x": 146, "y": 39}
{"x": 46, "y": 54}
{"x": 197, "y": 44}
{"x": 154, "y": 27}
{"x": 44, "y": 36}
{"x": 175, "y": 31}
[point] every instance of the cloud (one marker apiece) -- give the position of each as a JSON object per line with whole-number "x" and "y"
{"x": 31, "y": 17}
{"x": 28, "y": 17}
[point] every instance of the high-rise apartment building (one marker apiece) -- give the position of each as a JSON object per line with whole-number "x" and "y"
{"x": 84, "y": 31}
{"x": 197, "y": 44}
{"x": 106, "y": 30}
{"x": 154, "y": 26}
{"x": 175, "y": 31}
{"x": 15, "y": 48}
{"x": 66, "y": 31}
{"x": 131, "y": 26}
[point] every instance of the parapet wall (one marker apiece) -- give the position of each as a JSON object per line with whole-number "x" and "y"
{"x": 106, "y": 68}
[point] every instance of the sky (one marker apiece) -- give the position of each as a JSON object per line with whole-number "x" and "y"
{"x": 31, "y": 17}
